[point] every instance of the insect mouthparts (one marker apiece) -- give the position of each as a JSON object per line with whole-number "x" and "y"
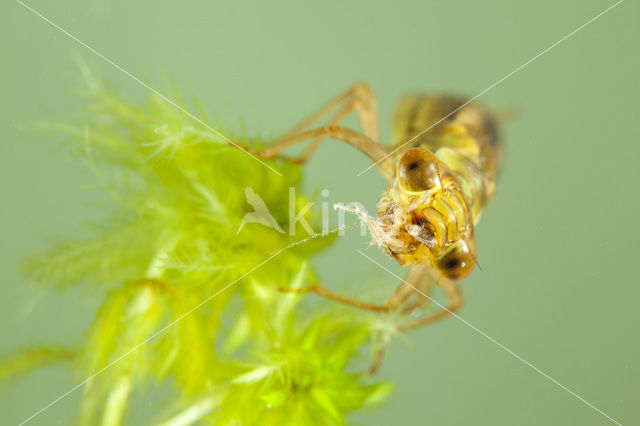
{"x": 422, "y": 234}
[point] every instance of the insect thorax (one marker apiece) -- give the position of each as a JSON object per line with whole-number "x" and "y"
{"x": 463, "y": 136}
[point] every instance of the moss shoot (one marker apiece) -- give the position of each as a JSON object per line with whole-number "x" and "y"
{"x": 191, "y": 305}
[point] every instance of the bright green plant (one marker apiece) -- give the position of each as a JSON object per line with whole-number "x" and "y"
{"x": 190, "y": 302}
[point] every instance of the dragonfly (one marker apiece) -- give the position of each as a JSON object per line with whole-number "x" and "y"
{"x": 441, "y": 168}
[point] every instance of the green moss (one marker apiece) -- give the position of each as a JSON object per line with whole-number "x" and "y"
{"x": 170, "y": 243}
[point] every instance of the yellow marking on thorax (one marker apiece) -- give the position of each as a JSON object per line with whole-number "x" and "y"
{"x": 464, "y": 142}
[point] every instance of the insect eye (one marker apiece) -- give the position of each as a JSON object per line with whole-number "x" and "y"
{"x": 453, "y": 263}
{"x": 418, "y": 170}
{"x": 456, "y": 264}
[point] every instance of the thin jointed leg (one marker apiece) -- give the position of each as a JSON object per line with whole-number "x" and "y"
{"x": 454, "y": 296}
{"x": 375, "y": 151}
{"x": 398, "y": 297}
{"x": 325, "y": 292}
{"x": 358, "y": 98}
{"x": 417, "y": 278}
{"x": 417, "y": 282}
{"x": 422, "y": 292}
{"x": 455, "y": 303}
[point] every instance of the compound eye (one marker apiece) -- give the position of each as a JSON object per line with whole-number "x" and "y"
{"x": 418, "y": 170}
{"x": 456, "y": 264}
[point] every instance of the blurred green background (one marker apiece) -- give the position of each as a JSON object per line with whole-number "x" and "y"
{"x": 559, "y": 284}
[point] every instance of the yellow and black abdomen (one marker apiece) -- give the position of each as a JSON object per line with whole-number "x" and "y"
{"x": 466, "y": 141}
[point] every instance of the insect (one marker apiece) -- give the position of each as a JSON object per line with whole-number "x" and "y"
{"x": 439, "y": 182}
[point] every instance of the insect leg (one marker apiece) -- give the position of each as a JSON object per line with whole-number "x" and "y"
{"x": 325, "y": 292}
{"x": 415, "y": 279}
{"x": 402, "y": 293}
{"x": 374, "y": 150}
{"x": 455, "y": 303}
{"x": 358, "y": 98}
{"x": 421, "y": 295}
{"x": 399, "y": 296}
